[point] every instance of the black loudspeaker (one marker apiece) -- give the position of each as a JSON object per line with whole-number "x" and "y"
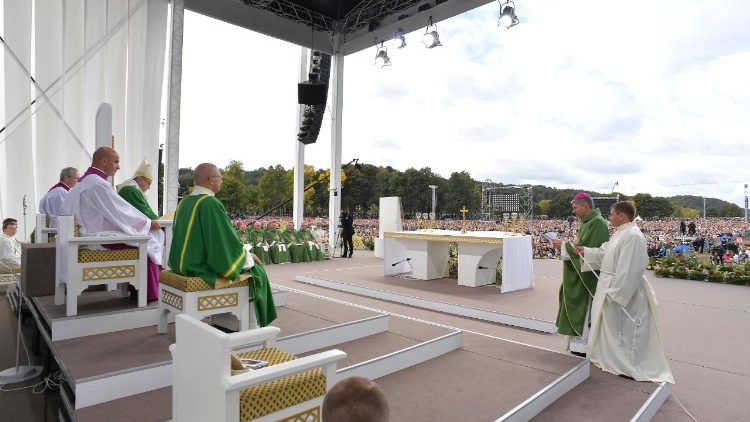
{"x": 312, "y": 93}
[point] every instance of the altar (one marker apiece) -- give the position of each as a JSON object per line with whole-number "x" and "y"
{"x": 425, "y": 254}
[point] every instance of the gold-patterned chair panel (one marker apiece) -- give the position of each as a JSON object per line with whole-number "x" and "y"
{"x": 197, "y": 284}
{"x": 282, "y": 393}
{"x": 10, "y": 270}
{"x": 104, "y": 255}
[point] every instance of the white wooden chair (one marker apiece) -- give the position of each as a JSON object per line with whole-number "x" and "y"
{"x": 167, "y": 226}
{"x": 191, "y": 295}
{"x": 79, "y": 267}
{"x": 43, "y": 233}
{"x": 204, "y": 389}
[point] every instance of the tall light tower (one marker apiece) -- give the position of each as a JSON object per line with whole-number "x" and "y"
{"x": 434, "y": 198}
{"x": 745, "y": 203}
{"x": 704, "y": 207}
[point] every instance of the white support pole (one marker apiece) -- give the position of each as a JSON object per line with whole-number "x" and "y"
{"x": 172, "y": 156}
{"x": 337, "y": 97}
{"x": 299, "y": 152}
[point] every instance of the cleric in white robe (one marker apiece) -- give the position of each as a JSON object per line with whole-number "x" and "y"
{"x": 624, "y": 337}
{"x": 52, "y": 201}
{"x": 10, "y": 247}
{"x": 100, "y": 211}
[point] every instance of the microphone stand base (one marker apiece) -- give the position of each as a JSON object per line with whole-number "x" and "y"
{"x": 19, "y": 374}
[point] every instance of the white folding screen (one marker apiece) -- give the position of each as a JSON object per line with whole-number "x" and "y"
{"x": 85, "y": 52}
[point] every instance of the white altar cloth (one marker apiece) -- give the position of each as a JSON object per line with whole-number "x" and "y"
{"x": 425, "y": 253}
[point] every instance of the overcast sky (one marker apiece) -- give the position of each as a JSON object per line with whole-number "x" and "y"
{"x": 654, "y": 95}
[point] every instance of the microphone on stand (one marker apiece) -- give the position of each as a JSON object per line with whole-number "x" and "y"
{"x": 484, "y": 268}
{"x": 403, "y": 260}
{"x": 570, "y": 224}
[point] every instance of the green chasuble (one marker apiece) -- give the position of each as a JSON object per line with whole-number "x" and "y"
{"x": 576, "y": 289}
{"x": 277, "y": 248}
{"x": 136, "y": 198}
{"x": 255, "y": 238}
{"x": 309, "y": 241}
{"x": 205, "y": 245}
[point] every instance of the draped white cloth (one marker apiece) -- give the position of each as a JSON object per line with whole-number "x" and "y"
{"x": 86, "y": 52}
{"x": 624, "y": 336}
{"x": 51, "y": 204}
{"x": 517, "y": 271}
{"x": 100, "y": 211}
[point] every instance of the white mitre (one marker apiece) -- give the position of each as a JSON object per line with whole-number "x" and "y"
{"x": 143, "y": 170}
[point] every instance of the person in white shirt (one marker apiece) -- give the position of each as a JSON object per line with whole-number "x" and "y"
{"x": 10, "y": 247}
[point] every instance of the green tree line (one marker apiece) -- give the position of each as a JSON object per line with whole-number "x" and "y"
{"x": 259, "y": 190}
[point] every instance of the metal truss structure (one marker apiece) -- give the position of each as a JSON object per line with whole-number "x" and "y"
{"x": 294, "y": 12}
{"x": 498, "y": 199}
{"x": 363, "y": 13}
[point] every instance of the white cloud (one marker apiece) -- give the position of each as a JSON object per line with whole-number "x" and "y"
{"x": 653, "y": 94}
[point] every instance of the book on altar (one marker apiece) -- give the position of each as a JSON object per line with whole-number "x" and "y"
{"x": 253, "y": 363}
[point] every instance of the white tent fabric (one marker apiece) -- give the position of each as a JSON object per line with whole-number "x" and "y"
{"x": 86, "y": 52}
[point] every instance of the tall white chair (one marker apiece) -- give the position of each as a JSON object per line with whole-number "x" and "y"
{"x": 43, "y": 233}
{"x": 79, "y": 266}
{"x": 204, "y": 389}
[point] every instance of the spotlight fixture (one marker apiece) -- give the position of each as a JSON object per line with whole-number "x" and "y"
{"x": 381, "y": 56}
{"x": 431, "y": 39}
{"x": 399, "y": 39}
{"x": 507, "y": 18}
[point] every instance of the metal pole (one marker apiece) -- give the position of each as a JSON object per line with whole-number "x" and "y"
{"x": 337, "y": 110}
{"x": 745, "y": 203}
{"x": 704, "y": 207}
{"x": 434, "y": 198}
{"x": 298, "y": 209}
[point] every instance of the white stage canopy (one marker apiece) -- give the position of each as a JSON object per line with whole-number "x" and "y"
{"x": 84, "y": 53}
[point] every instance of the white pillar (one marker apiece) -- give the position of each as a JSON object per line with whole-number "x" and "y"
{"x": 337, "y": 98}
{"x": 172, "y": 155}
{"x": 299, "y": 152}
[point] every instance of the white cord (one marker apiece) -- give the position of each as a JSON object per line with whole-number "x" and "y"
{"x": 682, "y": 406}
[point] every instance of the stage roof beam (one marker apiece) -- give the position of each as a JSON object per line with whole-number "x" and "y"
{"x": 264, "y": 22}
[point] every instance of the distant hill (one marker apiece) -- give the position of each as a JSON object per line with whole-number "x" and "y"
{"x": 691, "y": 201}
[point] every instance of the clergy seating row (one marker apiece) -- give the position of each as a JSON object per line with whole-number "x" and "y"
{"x": 193, "y": 296}
{"x": 204, "y": 387}
{"x": 79, "y": 264}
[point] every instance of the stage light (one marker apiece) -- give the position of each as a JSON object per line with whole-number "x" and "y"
{"x": 507, "y": 18}
{"x": 381, "y": 57}
{"x": 399, "y": 39}
{"x": 431, "y": 39}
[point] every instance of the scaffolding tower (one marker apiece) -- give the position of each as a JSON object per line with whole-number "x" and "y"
{"x": 498, "y": 199}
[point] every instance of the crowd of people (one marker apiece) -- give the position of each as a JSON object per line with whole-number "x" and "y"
{"x": 663, "y": 235}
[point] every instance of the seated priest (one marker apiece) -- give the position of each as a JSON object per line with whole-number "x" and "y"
{"x": 132, "y": 191}
{"x": 205, "y": 244}
{"x": 10, "y": 247}
{"x": 100, "y": 211}
{"x": 52, "y": 201}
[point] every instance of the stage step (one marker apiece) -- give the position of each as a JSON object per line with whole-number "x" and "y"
{"x": 521, "y": 321}
{"x": 104, "y": 312}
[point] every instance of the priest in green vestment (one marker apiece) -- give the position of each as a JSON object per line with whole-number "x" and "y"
{"x": 260, "y": 247}
{"x": 578, "y": 287}
{"x": 277, "y": 248}
{"x": 307, "y": 239}
{"x": 205, "y": 244}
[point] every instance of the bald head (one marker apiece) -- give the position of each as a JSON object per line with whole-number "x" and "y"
{"x": 107, "y": 160}
{"x": 355, "y": 399}
{"x": 208, "y": 176}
